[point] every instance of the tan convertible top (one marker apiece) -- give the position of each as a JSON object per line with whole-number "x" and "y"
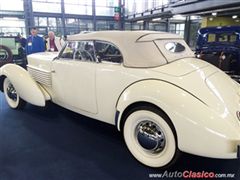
{"x": 137, "y": 47}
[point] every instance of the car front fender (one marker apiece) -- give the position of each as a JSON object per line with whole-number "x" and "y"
{"x": 24, "y": 84}
{"x": 200, "y": 130}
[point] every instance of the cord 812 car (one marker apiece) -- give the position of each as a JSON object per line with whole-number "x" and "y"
{"x": 148, "y": 84}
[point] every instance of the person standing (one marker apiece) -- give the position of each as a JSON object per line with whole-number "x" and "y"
{"x": 22, "y": 40}
{"x": 54, "y": 43}
{"x": 35, "y": 43}
{"x": 22, "y": 44}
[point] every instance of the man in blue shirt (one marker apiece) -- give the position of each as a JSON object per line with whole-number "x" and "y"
{"x": 35, "y": 43}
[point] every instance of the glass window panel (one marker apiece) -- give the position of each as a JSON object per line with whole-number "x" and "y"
{"x": 104, "y": 11}
{"x": 54, "y": 30}
{"x": 139, "y": 6}
{"x": 12, "y": 5}
{"x": 159, "y": 3}
{"x": 223, "y": 38}
{"x": 36, "y": 21}
{"x": 157, "y": 26}
{"x": 47, "y": 1}
{"x": 71, "y": 22}
{"x": 86, "y": 25}
{"x": 180, "y": 27}
{"x": 10, "y": 31}
{"x": 82, "y": 50}
{"x": 53, "y": 6}
{"x": 193, "y": 34}
{"x": 106, "y": 25}
{"x": 78, "y": 7}
{"x": 181, "y": 33}
{"x": 174, "y": 47}
{"x": 110, "y": 3}
{"x": 101, "y": 25}
{"x": 69, "y": 50}
{"x": 172, "y": 27}
{"x": 12, "y": 22}
{"x": 107, "y": 52}
{"x": 59, "y": 22}
{"x": 134, "y": 6}
{"x": 52, "y": 22}
{"x": 42, "y": 21}
{"x": 42, "y": 31}
{"x": 211, "y": 37}
{"x": 72, "y": 30}
{"x": 130, "y": 6}
{"x": 151, "y": 4}
{"x": 233, "y": 38}
{"x": 79, "y": 2}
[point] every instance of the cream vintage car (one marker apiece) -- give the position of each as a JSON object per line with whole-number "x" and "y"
{"x": 148, "y": 84}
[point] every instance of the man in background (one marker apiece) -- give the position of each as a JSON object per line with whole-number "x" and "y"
{"x": 35, "y": 43}
{"x": 22, "y": 40}
{"x": 54, "y": 43}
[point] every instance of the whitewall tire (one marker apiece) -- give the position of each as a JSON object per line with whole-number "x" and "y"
{"x": 11, "y": 95}
{"x": 150, "y": 137}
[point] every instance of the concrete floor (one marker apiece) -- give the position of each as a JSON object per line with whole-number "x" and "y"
{"x": 54, "y": 143}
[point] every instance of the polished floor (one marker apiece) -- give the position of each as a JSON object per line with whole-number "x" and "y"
{"x": 56, "y": 144}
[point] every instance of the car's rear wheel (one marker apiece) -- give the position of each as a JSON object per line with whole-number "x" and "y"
{"x": 11, "y": 95}
{"x": 150, "y": 137}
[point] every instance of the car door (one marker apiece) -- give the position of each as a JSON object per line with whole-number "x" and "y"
{"x": 74, "y": 77}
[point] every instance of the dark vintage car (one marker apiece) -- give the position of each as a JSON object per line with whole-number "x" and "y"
{"x": 220, "y": 46}
{"x": 11, "y": 51}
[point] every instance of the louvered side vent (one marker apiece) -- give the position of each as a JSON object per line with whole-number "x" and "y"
{"x": 40, "y": 76}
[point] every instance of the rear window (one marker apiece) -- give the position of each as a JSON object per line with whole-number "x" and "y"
{"x": 211, "y": 37}
{"x": 174, "y": 47}
{"x": 222, "y": 37}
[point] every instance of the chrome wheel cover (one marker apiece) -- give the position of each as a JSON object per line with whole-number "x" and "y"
{"x": 150, "y": 137}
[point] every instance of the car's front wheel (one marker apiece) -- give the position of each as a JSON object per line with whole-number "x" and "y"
{"x": 11, "y": 95}
{"x": 150, "y": 137}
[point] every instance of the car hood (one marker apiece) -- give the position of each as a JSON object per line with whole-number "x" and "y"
{"x": 41, "y": 60}
{"x": 205, "y": 82}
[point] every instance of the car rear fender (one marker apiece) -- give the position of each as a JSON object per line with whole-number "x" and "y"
{"x": 160, "y": 93}
{"x": 24, "y": 84}
{"x": 199, "y": 129}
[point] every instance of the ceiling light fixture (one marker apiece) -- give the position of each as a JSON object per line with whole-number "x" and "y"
{"x": 214, "y": 13}
{"x": 140, "y": 21}
{"x": 156, "y": 19}
{"x": 211, "y": 19}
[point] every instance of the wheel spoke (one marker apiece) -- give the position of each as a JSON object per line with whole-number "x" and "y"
{"x": 11, "y": 92}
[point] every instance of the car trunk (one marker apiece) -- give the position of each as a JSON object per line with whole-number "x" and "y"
{"x": 207, "y": 83}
